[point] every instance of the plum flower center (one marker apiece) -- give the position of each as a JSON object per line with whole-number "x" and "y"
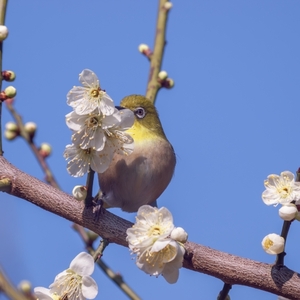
{"x": 284, "y": 191}
{"x": 70, "y": 285}
{"x": 95, "y": 94}
{"x": 268, "y": 243}
{"x": 283, "y": 187}
{"x": 93, "y": 122}
{"x": 155, "y": 230}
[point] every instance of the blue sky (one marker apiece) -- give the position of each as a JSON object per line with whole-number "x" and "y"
{"x": 232, "y": 118}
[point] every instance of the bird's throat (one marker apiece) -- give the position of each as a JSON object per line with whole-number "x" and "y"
{"x": 141, "y": 133}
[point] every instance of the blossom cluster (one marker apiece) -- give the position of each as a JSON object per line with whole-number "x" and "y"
{"x": 98, "y": 127}
{"x": 157, "y": 243}
{"x": 281, "y": 189}
{"x": 75, "y": 283}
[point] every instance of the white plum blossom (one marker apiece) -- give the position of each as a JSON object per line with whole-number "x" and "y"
{"x": 281, "y": 189}
{"x": 151, "y": 224}
{"x": 150, "y": 238}
{"x": 93, "y": 130}
{"x": 99, "y": 128}
{"x": 273, "y": 243}
{"x": 97, "y": 140}
{"x": 88, "y": 97}
{"x": 75, "y": 283}
{"x": 80, "y": 160}
{"x": 164, "y": 257}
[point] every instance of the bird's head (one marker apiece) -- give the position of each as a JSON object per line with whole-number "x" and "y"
{"x": 147, "y": 123}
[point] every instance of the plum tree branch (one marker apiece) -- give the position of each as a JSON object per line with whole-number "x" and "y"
{"x": 3, "y": 5}
{"x": 229, "y": 268}
{"x": 7, "y": 288}
{"x": 115, "y": 277}
{"x": 41, "y": 160}
{"x": 158, "y": 51}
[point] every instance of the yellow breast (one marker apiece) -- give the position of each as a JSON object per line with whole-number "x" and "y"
{"x": 141, "y": 133}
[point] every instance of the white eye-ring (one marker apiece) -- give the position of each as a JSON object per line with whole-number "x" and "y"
{"x": 140, "y": 112}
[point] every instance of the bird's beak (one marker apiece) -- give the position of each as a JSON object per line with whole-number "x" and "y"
{"x": 119, "y": 107}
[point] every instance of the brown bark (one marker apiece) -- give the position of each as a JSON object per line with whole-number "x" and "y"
{"x": 229, "y": 268}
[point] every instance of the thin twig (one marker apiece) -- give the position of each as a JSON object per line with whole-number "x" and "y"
{"x": 225, "y": 291}
{"x": 3, "y": 5}
{"x": 41, "y": 160}
{"x": 284, "y": 233}
{"x": 7, "y": 288}
{"x": 158, "y": 52}
{"x": 99, "y": 251}
{"x": 116, "y": 278}
{"x": 89, "y": 185}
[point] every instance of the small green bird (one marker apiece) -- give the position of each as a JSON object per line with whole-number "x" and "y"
{"x": 141, "y": 177}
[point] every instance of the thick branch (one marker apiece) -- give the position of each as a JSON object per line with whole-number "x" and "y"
{"x": 229, "y": 268}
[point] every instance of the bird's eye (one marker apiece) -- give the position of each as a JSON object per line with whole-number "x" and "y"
{"x": 140, "y": 112}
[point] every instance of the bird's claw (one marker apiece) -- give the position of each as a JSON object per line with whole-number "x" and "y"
{"x": 98, "y": 208}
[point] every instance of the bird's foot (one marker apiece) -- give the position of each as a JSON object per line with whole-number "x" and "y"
{"x": 98, "y": 208}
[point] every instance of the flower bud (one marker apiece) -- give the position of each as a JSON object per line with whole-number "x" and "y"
{"x": 179, "y": 234}
{"x": 3, "y": 32}
{"x": 45, "y": 150}
{"x": 169, "y": 83}
{"x": 10, "y": 135}
{"x": 143, "y": 48}
{"x": 10, "y": 92}
{"x": 162, "y": 75}
{"x": 288, "y": 212}
{"x": 25, "y": 286}
{"x": 168, "y": 6}
{"x": 11, "y": 126}
{"x": 30, "y": 128}
{"x": 79, "y": 192}
{"x": 273, "y": 243}
{"x": 8, "y": 75}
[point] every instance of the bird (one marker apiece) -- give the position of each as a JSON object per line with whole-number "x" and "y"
{"x": 140, "y": 177}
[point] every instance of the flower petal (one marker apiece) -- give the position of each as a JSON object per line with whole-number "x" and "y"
{"x": 107, "y": 106}
{"x": 101, "y": 161}
{"x": 83, "y": 264}
{"x": 89, "y": 287}
{"x": 88, "y": 78}
{"x": 127, "y": 118}
{"x": 170, "y": 273}
{"x": 42, "y": 293}
{"x": 287, "y": 175}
